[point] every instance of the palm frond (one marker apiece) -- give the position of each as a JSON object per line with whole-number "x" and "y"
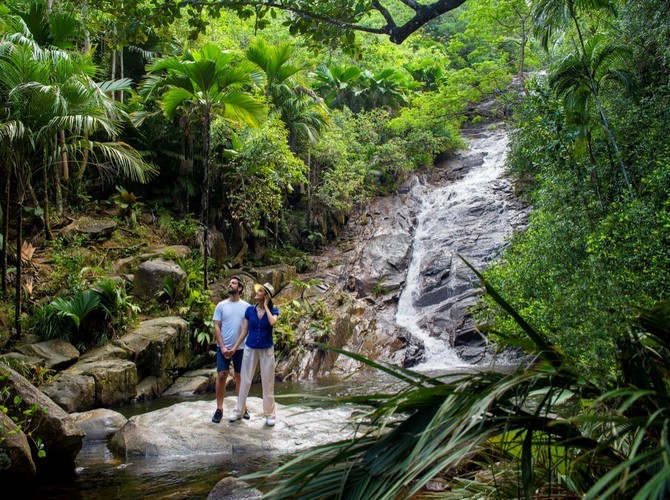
{"x": 122, "y": 159}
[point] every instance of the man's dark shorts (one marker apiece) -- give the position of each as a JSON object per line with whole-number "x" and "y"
{"x": 223, "y": 364}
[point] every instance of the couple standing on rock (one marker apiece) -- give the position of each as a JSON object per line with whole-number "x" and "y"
{"x": 234, "y": 321}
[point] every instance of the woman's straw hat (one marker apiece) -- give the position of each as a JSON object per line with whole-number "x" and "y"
{"x": 269, "y": 289}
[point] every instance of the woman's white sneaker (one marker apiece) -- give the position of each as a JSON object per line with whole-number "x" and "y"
{"x": 234, "y": 416}
{"x": 270, "y": 421}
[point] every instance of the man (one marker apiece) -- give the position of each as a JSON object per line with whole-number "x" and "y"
{"x": 228, "y": 316}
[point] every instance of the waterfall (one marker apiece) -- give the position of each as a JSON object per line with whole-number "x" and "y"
{"x": 471, "y": 217}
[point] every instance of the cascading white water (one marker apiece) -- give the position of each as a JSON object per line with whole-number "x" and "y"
{"x": 470, "y": 217}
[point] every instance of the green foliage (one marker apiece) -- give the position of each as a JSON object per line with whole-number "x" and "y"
{"x": 191, "y": 301}
{"x": 179, "y": 230}
{"x": 261, "y": 173}
{"x": 302, "y": 315}
{"x": 128, "y": 204}
{"x": 37, "y": 375}
{"x": 86, "y": 318}
{"x": 590, "y": 255}
{"x": 68, "y": 258}
{"x": 380, "y": 288}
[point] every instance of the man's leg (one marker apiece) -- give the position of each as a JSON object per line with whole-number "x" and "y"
{"x": 222, "y": 369}
{"x": 221, "y": 379}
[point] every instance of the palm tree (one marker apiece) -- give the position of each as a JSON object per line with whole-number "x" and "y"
{"x": 385, "y": 89}
{"x": 551, "y": 15}
{"x": 300, "y": 109}
{"x": 339, "y": 86}
{"x": 46, "y": 91}
{"x": 209, "y": 82}
{"x": 607, "y": 64}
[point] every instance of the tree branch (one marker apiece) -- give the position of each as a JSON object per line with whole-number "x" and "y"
{"x": 397, "y": 34}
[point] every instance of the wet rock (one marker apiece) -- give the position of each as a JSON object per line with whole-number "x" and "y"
{"x": 99, "y": 424}
{"x": 230, "y": 488}
{"x": 187, "y": 429}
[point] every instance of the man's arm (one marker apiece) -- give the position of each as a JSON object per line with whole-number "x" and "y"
{"x": 218, "y": 335}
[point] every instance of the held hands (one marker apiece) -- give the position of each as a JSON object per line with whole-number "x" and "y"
{"x": 227, "y": 353}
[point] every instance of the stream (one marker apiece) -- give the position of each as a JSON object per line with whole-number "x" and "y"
{"x": 102, "y": 475}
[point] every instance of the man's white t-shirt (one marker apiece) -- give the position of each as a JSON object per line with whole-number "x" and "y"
{"x": 230, "y": 314}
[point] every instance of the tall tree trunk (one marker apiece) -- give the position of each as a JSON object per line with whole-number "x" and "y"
{"x": 47, "y": 224}
{"x": 5, "y": 232}
{"x": 121, "y": 73}
{"x": 205, "y": 198}
{"x": 31, "y": 192}
{"x": 112, "y": 74}
{"x": 19, "y": 236}
{"x": 87, "y": 34}
{"x": 594, "y": 171}
{"x": 63, "y": 156}
{"x": 601, "y": 111}
{"x": 58, "y": 173}
{"x": 84, "y": 158}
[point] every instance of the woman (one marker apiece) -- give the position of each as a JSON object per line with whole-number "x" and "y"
{"x": 257, "y": 325}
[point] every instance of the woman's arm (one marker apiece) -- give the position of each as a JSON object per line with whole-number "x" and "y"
{"x": 244, "y": 331}
{"x": 272, "y": 319}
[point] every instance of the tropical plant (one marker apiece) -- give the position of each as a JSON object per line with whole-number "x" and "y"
{"x": 128, "y": 204}
{"x": 606, "y": 62}
{"x": 298, "y": 106}
{"x": 86, "y": 317}
{"x": 48, "y": 92}
{"x": 339, "y": 85}
{"x": 386, "y": 89}
{"x": 209, "y": 82}
{"x": 553, "y": 15}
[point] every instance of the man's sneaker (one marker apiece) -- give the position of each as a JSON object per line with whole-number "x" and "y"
{"x": 246, "y": 415}
{"x": 217, "y": 416}
{"x": 234, "y": 416}
{"x": 270, "y": 421}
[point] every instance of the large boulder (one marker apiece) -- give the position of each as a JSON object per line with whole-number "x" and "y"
{"x": 186, "y": 429}
{"x": 90, "y": 228}
{"x": 16, "y": 461}
{"x": 60, "y": 437}
{"x": 57, "y": 354}
{"x": 71, "y": 391}
{"x": 152, "y": 275}
{"x": 128, "y": 265}
{"x": 231, "y": 488}
{"x": 138, "y": 366}
{"x": 99, "y": 424}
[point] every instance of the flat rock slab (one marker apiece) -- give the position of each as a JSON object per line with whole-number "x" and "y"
{"x": 186, "y": 429}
